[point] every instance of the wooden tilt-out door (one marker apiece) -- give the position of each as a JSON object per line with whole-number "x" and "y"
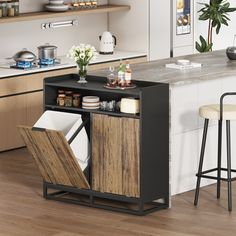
{"x": 54, "y": 157}
{"x": 115, "y": 155}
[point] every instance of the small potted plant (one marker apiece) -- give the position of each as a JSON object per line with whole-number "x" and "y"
{"x": 216, "y": 12}
{"x": 82, "y": 55}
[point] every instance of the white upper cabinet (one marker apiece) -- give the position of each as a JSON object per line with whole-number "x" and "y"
{"x": 160, "y": 24}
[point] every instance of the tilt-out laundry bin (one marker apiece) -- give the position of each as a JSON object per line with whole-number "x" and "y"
{"x": 60, "y": 146}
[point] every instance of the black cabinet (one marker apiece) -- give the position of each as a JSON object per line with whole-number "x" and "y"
{"x": 129, "y": 168}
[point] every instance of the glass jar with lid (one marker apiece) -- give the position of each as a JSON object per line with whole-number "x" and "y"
{"x": 16, "y": 7}
{"x": 68, "y": 98}
{"x": 3, "y": 5}
{"x": 76, "y": 99}
{"x": 10, "y": 9}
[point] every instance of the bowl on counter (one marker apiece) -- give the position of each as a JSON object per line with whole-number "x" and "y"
{"x": 231, "y": 53}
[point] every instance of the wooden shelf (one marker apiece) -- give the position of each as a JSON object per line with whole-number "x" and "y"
{"x": 44, "y": 15}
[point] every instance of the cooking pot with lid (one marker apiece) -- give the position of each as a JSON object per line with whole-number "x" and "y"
{"x": 24, "y": 56}
{"x": 47, "y": 52}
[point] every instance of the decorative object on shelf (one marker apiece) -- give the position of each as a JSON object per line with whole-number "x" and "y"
{"x": 123, "y": 80}
{"x": 131, "y": 86}
{"x": 82, "y": 55}
{"x": 130, "y": 105}
{"x": 231, "y": 51}
{"x": 216, "y": 12}
{"x": 91, "y": 102}
{"x": 9, "y": 8}
{"x": 76, "y": 99}
{"x": 128, "y": 74}
{"x": 111, "y": 78}
{"x": 68, "y": 98}
{"x": 83, "y": 4}
{"x": 108, "y": 106}
{"x": 183, "y": 65}
{"x": 56, "y": 6}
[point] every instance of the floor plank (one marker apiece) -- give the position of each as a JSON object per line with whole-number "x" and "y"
{"x": 24, "y": 212}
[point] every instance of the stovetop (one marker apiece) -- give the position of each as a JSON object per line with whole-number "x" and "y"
{"x": 36, "y": 65}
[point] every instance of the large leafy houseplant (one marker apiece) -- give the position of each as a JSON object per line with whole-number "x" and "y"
{"x": 216, "y": 12}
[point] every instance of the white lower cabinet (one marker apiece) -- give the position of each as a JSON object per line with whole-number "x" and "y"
{"x": 184, "y": 151}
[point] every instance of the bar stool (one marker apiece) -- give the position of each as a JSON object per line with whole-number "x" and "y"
{"x": 221, "y": 113}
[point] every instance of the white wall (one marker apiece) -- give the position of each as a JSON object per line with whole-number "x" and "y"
{"x": 225, "y": 37}
{"x": 131, "y": 27}
{"x": 15, "y": 36}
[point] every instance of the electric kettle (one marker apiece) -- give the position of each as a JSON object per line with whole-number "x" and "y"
{"x": 107, "y": 43}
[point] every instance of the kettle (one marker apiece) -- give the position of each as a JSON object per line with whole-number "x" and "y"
{"x": 107, "y": 43}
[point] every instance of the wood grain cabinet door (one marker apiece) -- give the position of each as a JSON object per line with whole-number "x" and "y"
{"x": 13, "y": 113}
{"x": 115, "y": 155}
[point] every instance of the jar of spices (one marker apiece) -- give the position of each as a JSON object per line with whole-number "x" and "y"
{"x": 68, "y": 98}
{"x": 76, "y": 99}
{"x": 16, "y": 8}
{"x": 0, "y": 9}
{"x": 61, "y": 100}
{"x": 4, "y": 9}
{"x": 10, "y": 9}
{"x": 94, "y": 3}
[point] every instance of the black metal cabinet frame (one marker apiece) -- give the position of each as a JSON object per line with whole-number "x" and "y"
{"x": 154, "y": 144}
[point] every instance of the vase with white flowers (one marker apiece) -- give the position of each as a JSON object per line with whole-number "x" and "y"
{"x": 82, "y": 55}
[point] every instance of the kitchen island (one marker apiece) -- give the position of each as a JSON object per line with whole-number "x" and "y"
{"x": 190, "y": 89}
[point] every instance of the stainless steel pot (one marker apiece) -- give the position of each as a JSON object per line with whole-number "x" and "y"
{"x": 24, "y": 56}
{"x": 47, "y": 52}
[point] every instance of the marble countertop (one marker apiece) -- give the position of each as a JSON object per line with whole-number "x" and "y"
{"x": 6, "y": 71}
{"x": 215, "y": 65}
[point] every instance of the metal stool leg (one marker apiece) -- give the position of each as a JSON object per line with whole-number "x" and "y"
{"x": 201, "y": 160}
{"x": 229, "y": 165}
{"x": 219, "y": 157}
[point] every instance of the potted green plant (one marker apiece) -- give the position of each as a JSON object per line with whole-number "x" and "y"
{"x": 216, "y": 12}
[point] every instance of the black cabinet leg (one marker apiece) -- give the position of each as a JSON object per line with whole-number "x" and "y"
{"x": 229, "y": 165}
{"x": 201, "y": 160}
{"x": 219, "y": 157}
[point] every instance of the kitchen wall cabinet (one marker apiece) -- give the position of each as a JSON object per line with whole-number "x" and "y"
{"x": 115, "y": 152}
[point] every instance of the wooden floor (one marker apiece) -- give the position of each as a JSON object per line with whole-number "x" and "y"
{"x": 24, "y": 212}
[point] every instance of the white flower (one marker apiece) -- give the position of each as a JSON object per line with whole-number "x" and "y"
{"x": 82, "y": 56}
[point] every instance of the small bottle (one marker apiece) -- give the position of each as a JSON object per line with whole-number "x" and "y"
{"x": 76, "y": 99}
{"x": 0, "y": 9}
{"x": 82, "y": 4}
{"x": 88, "y": 3}
{"x": 10, "y": 9}
{"x": 111, "y": 78}
{"x": 4, "y": 9}
{"x": 17, "y": 8}
{"x": 128, "y": 74}
{"x": 121, "y": 74}
{"x": 94, "y": 3}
